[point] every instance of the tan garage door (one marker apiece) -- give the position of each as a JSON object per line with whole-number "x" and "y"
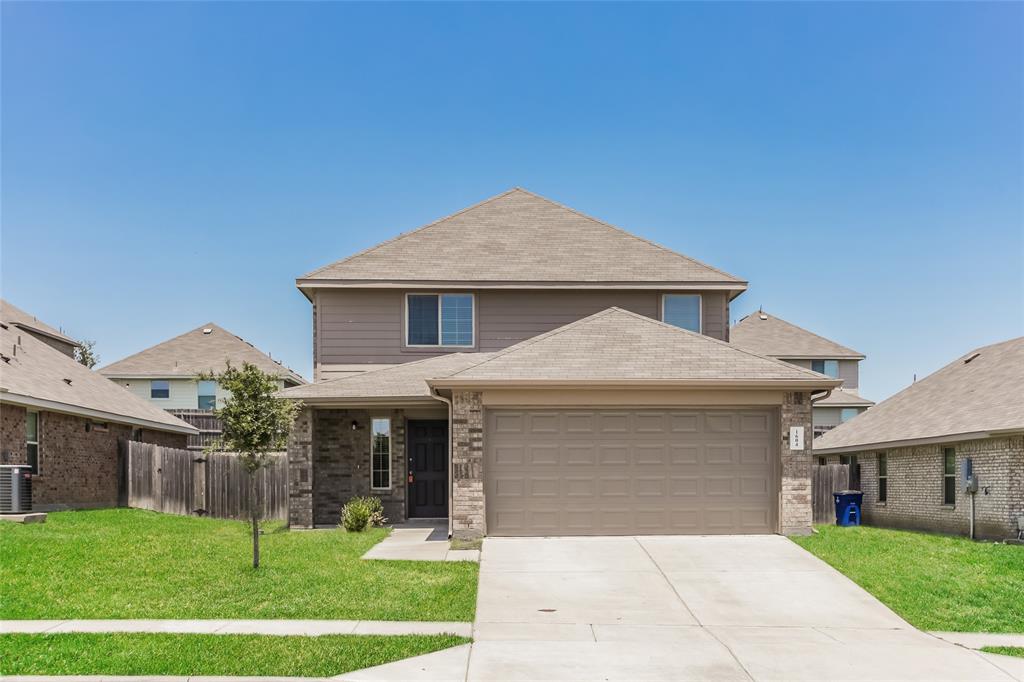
{"x": 625, "y": 472}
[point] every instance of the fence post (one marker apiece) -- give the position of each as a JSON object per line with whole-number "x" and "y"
{"x": 198, "y": 485}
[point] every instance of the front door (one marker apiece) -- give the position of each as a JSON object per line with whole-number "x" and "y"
{"x": 428, "y": 469}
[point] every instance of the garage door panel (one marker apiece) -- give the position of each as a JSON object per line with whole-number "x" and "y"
{"x": 590, "y": 472}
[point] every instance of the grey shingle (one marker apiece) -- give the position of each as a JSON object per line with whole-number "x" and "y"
{"x": 769, "y": 335}
{"x": 31, "y": 369}
{"x": 18, "y": 317}
{"x": 983, "y": 395}
{"x": 195, "y": 352}
{"x": 518, "y": 236}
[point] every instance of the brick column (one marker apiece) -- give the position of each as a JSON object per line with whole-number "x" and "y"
{"x": 796, "y": 513}
{"x": 300, "y": 471}
{"x": 468, "y": 518}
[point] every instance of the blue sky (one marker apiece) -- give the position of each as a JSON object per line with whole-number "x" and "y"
{"x": 862, "y": 165}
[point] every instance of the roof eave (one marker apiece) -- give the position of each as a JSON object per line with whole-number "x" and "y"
{"x": 760, "y": 384}
{"x": 349, "y": 401}
{"x": 829, "y": 356}
{"x": 926, "y": 440}
{"x": 329, "y": 283}
{"x": 56, "y": 337}
{"x": 78, "y": 410}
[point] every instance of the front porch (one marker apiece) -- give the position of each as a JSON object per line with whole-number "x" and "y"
{"x": 399, "y": 454}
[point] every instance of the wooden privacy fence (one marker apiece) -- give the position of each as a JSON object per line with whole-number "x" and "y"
{"x": 208, "y": 425}
{"x": 186, "y": 482}
{"x": 825, "y": 480}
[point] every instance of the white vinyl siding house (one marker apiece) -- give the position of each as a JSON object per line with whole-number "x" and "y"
{"x": 184, "y": 393}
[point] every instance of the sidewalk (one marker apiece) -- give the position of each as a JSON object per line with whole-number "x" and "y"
{"x": 243, "y": 627}
{"x": 420, "y": 540}
{"x": 977, "y": 640}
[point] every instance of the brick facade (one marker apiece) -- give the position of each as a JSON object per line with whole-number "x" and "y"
{"x": 77, "y": 459}
{"x": 468, "y": 517}
{"x": 329, "y": 463}
{"x": 795, "y": 513}
{"x": 915, "y": 488}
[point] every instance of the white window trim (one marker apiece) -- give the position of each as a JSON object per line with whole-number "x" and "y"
{"x": 391, "y": 435}
{"x": 39, "y": 437}
{"x": 151, "y": 389}
{"x": 700, "y": 309}
{"x": 439, "y": 294}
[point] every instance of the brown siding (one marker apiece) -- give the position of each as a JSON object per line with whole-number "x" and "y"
{"x": 366, "y": 326}
{"x": 64, "y": 347}
{"x": 849, "y": 372}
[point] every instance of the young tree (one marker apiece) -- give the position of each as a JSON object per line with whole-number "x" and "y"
{"x": 85, "y": 353}
{"x": 254, "y": 423}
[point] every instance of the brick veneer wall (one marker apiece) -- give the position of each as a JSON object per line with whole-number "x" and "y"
{"x": 468, "y": 518}
{"x": 329, "y": 463}
{"x": 915, "y": 488}
{"x": 796, "y": 514}
{"x": 77, "y": 466}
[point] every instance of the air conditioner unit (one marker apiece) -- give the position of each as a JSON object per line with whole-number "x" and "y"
{"x": 15, "y": 488}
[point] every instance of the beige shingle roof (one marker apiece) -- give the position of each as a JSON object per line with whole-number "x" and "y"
{"x": 518, "y": 236}
{"x": 982, "y": 396}
{"x": 842, "y": 398}
{"x": 618, "y": 346}
{"x": 408, "y": 380}
{"x": 196, "y": 352}
{"x": 769, "y": 335}
{"x": 14, "y": 315}
{"x": 32, "y": 373}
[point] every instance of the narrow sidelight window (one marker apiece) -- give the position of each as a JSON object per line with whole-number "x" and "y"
{"x": 883, "y": 477}
{"x": 439, "y": 320}
{"x": 948, "y": 476}
{"x": 681, "y": 310}
{"x": 207, "y": 395}
{"x": 826, "y": 367}
{"x": 160, "y": 388}
{"x": 380, "y": 454}
{"x": 32, "y": 440}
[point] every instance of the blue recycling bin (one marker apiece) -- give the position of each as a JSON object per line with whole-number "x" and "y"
{"x": 848, "y": 507}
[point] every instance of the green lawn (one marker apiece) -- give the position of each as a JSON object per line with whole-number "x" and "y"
{"x": 166, "y": 654}
{"x": 128, "y": 563}
{"x": 935, "y": 582}
{"x": 1005, "y": 650}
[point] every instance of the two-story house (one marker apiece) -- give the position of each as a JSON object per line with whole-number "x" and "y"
{"x": 170, "y": 375}
{"x": 776, "y": 338}
{"x": 523, "y": 369}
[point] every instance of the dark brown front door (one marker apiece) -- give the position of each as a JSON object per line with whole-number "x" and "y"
{"x": 428, "y": 469}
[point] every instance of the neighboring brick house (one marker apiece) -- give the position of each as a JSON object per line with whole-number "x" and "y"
{"x": 65, "y": 421}
{"x": 911, "y": 447}
{"x": 169, "y": 374}
{"x": 520, "y": 368}
{"x": 49, "y": 335}
{"x": 774, "y": 337}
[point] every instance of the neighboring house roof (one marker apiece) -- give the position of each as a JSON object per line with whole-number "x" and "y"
{"x": 35, "y": 375}
{"x": 407, "y": 381}
{"x": 843, "y": 398}
{"x": 14, "y": 315}
{"x": 769, "y": 335}
{"x": 976, "y": 396}
{"x": 519, "y": 237}
{"x": 208, "y": 348}
{"x": 619, "y": 347}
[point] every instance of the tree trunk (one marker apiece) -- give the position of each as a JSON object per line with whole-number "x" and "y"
{"x": 254, "y": 514}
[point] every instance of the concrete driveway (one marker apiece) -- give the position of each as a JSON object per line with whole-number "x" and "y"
{"x": 685, "y": 608}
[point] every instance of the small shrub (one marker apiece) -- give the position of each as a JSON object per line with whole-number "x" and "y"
{"x": 360, "y": 513}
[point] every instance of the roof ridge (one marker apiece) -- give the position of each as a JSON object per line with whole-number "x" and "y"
{"x": 147, "y": 349}
{"x": 535, "y": 339}
{"x": 782, "y": 363}
{"x": 807, "y": 331}
{"x": 616, "y": 228}
{"x": 403, "y": 235}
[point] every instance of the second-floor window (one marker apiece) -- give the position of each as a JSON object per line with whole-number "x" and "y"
{"x": 439, "y": 320}
{"x": 847, "y": 413}
{"x": 160, "y": 388}
{"x": 207, "y": 395}
{"x": 826, "y": 367}
{"x": 681, "y": 310}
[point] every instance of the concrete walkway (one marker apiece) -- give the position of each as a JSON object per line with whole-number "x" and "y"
{"x": 425, "y": 540}
{"x": 976, "y": 640}
{"x": 243, "y": 627}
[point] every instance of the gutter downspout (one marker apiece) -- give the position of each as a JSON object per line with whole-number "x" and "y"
{"x": 451, "y": 472}
{"x": 820, "y": 397}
